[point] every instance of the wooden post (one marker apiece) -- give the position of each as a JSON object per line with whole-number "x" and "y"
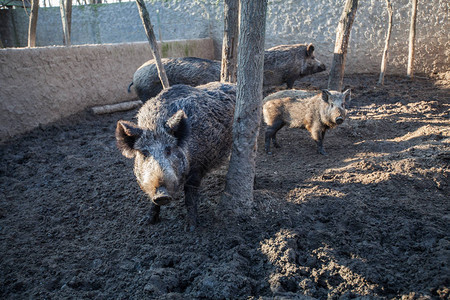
{"x": 412, "y": 40}
{"x": 143, "y": 13}
{"x": 230, "y": 41}
{"x": 68, "y": 6}
{"x": 33, "y": 23}
{"x": 336, "y": 77}
{"x": 65, "y": 24}
{"x": 385, "y": 55}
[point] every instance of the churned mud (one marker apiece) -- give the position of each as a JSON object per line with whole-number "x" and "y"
{"x": 369, "y": 220}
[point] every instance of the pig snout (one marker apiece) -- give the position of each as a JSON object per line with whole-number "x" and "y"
{"x": 339, "y": 120}
{"x": 162, "y": 196}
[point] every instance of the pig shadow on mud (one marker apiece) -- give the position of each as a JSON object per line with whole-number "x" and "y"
{"x": 282, "y": 64}
{"x": 180, "y": 135}
{"x": 316, "y": 112}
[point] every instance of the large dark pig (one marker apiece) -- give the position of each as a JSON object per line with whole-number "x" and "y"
{"x": 180, "y": 135}
{"x": 299, "y": 109}
{"x": 282, "y": 64}
{"x": 287, "y": 63}
{"x": 192, "y": 71}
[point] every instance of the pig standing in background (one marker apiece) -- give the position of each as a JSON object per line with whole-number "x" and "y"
{"x": 287, "y": 63}
{"x": 282, "y": 64}
{"x": 180, "y": 135}
{"x": 317, "y": 113}
{"x": 192, "y": 71}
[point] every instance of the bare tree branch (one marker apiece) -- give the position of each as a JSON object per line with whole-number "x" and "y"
{"x": 143, "y": 13}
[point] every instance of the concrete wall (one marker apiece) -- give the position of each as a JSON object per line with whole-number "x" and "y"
{"x": 41, "y": 85}
{"x": 288, "y": 22}
{"x": 112, "y": 23}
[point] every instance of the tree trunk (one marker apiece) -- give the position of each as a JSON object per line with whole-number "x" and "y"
{"x": 153, "y": 44}
{"x": 230, "y": 40}
{"x": 238, "y": 194}
{"x": 336, "y": 77}
{"x": 33, "y": 23}
{"x": 386, "y": 45}
{"x": 65, "y": 24}
{"x": 412, "y": 40}
{"x": 69, "y": 18}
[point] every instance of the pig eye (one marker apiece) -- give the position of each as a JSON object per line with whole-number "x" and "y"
{"x": 167, "y": 151}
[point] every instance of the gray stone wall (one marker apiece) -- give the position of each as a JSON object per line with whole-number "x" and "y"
{"x": 115, "y": 23}
{"x": 288, "y": 22}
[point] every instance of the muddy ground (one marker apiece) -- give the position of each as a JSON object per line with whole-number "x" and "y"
{"x": 370, "y": 219}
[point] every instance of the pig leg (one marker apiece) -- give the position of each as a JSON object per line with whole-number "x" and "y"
{"x": 271, "y": 132}
{"x": 153, "y": 216}
{"x": 154, "y": 213}
{"x": 290, "y": 82}
{"x": 318, "y": 135}
{"x": 320, "y": 144}
{"x": 190, "y": 198}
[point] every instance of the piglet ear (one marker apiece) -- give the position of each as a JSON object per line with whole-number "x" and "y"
{"x": 347, "y": 96}
{"x": 127, "y": 133}
{"x": 177, "y": 125}
{"x": 309, "y": 50}
{"x": 326, "y": 95}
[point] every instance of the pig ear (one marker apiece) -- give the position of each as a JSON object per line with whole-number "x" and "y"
{"x": 347, "y": 96}
{"x": 127, "y": 133}
{"x": 177, "y": 125}
{"x": 326, "y": 95}
{"x": 309, "y": 50}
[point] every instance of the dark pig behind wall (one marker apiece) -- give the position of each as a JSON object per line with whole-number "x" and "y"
{"x": 282, "y": 64}
{"x": 287, "y": 63}
{"x": 191, "y": 71}
{"x": 299, "y": 109}
{"x": 180, "y": 135}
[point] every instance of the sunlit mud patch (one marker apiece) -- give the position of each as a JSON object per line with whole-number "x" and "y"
{"x": 315, "y": 273}
{"x": 365, "y": 171}
{"x": 305, "y": 194}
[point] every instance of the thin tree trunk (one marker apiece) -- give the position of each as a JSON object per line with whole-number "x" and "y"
{"x": 143, "y": 13}
{"x": 33, "y": 23}
{"x": 230, "y": 41}
{"x": 336, "y": 77}
{"x": 412, "y": 40}
{"x": 386, "y": 45}
{"x": 238, "y": 194}
{"x": 65, "y": 25}
{"x": 69, "y": 18}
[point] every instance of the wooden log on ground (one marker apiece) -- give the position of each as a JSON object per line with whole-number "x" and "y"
{"x": 111, "y": 108}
